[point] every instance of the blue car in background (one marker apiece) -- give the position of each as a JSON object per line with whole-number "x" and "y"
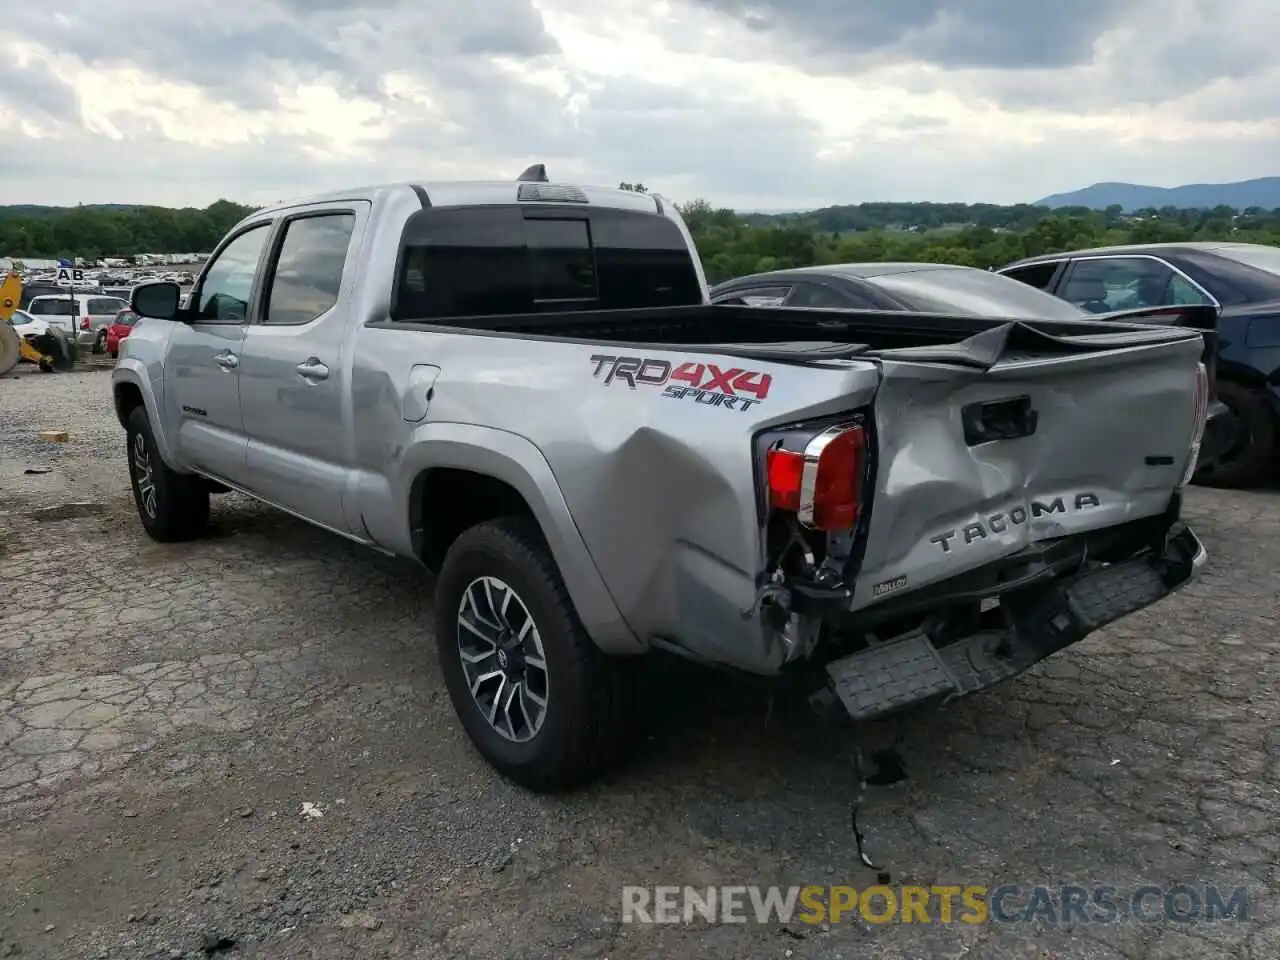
{"x": 1242, "y": 279}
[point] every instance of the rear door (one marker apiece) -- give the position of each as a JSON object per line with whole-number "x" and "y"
{"x": 294, "y": 365}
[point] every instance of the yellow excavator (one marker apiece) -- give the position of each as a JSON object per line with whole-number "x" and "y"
{"x": 50, "y": 350}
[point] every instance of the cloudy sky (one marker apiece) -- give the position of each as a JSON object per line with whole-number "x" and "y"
{"x": 756, "y": 104}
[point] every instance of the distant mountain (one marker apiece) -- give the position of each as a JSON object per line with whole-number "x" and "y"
{"x": 1263, "y": 192}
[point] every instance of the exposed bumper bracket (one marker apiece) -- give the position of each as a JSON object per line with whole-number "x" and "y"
{"x": 887, "y": 677}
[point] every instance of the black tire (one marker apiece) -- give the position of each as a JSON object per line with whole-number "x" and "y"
{"x": 1252, "y": 458}
{"x": 57, "y": 348}
{"x": 100, "y": 342}
{"x": 587, "y": 717}
{"x": 172, "y": 506}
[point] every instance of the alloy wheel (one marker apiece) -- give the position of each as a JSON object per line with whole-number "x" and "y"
{"x": 142, "y": 473}
{"x": 502, "y": 658}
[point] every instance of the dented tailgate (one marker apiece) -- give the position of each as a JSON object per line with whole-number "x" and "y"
{"x": 981, "y": 452}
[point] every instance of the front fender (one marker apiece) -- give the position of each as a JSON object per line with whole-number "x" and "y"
{"x": 516, "y": 461}
{"x": 132, "y": 373}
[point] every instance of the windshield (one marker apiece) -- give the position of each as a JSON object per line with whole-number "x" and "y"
{"x": 1252, "y": 255}
{"x": 972, "y": 292}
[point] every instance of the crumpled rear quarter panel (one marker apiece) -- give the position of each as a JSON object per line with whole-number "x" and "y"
{"x": 663, "y": 489}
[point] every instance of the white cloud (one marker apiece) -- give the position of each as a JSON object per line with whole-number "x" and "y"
{"x": 780, "y": 105}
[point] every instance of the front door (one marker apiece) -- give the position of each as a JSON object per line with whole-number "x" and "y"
{"x": 202, "y": 373}
{"x": 293, "y": 371}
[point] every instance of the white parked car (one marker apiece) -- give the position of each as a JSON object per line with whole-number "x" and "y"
{"x": 27, "y": 325}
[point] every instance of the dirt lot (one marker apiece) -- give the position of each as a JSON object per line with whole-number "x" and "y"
{"x": 166, "y": 712}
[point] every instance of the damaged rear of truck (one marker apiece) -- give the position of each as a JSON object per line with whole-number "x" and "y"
{"x": 523, "y": 386}
{"x": 908, "y": 506}
{"x": 922, "y": 519}
{"x": 921, "y": 505}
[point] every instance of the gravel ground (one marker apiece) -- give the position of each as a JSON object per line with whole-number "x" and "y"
{"x": 167, "y": 712}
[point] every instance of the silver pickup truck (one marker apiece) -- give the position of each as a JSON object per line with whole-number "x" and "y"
{"x": 523, "y": 386}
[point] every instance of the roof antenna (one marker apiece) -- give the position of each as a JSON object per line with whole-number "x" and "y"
{"x": 537, "y": 173}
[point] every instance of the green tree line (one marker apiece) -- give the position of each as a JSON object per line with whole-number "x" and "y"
{"x": 114, "y": 231}
{"x": 983, "y": 236}
{"x": 730, "y": 243}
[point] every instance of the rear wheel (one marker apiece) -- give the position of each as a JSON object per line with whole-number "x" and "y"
{"x": 1251, "y": 458}
{"x": 534, "y": 693}
{"x": 100, "y": 342}
{"x": 172, "y": 506}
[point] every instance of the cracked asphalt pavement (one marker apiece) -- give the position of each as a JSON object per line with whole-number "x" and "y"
{"x": 168, "y": 713}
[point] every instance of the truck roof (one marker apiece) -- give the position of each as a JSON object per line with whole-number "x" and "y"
{"x": 444, "y": 193}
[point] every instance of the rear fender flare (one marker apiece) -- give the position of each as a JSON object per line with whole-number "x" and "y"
{"x": 514, "y": 460}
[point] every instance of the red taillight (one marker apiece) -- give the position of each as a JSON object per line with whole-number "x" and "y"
{"x": 786, "y": 469}
{"x": 822, "y": 485}
{"x": 85, "y": 324}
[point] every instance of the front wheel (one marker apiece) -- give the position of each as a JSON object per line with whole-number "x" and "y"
{"x": 100, "y": 342}
{"x": 534, "y": 693}
{"x": 172, "y": 506}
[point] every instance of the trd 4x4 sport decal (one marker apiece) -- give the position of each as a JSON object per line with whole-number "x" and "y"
{"x": 731, "y": 387}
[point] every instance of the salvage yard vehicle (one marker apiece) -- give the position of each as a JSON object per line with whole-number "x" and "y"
{"x": 26, "y": 338}
{"x": 947, "y": 288}
{"x": 89, "y": 315}
{"x": 120, "y": 328}
{"x": 1241, "y": 279}
{"x": 523, "y": 386}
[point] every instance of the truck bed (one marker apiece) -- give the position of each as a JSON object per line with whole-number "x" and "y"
{"x": 793, "y": 335}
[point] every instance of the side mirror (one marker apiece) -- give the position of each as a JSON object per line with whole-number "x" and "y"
{"x": 157, "y": 299}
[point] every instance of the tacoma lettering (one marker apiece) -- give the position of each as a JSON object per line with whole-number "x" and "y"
{"x": 1014, "y": 517}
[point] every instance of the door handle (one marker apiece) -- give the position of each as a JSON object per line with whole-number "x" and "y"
{"x": 226, "y": 360}
{"x": 312, "y": 369}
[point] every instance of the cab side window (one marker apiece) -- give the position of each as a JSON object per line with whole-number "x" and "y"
{"x": 227, "y": 284}
{"x": 307, "y": 276}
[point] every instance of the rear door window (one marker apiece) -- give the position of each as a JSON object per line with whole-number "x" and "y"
{"x": 307, "y": 277}
{"x": 54, "y": 307}
{"x": 103, "y": 305}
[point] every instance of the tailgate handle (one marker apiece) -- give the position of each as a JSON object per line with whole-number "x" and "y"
{"x": 998, "y": 420}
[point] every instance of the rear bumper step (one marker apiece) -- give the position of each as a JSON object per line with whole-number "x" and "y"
{"x": 886, "y": 678}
